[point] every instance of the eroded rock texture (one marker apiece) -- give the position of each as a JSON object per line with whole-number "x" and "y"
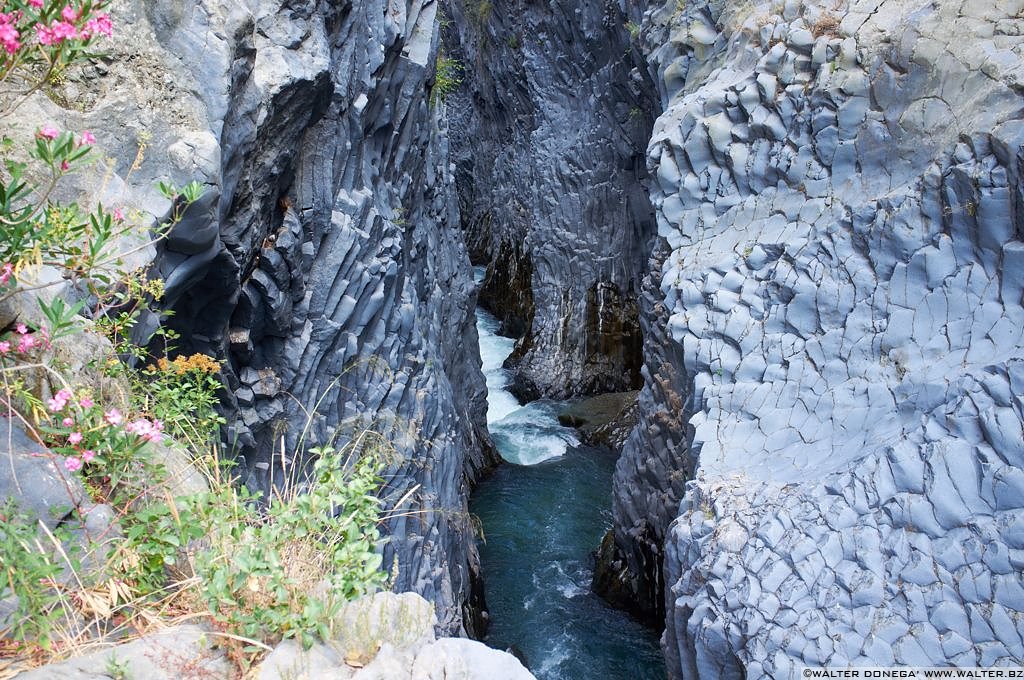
{"x": 840, "y": 188}
{"x": 549, "y": 128}
{"x": 324, "y": 264}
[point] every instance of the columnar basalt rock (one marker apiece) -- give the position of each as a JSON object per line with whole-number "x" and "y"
{"x": 651, "y": 473}
{"x": 324, "y": 265}
{"x": 549, "y": 127}
{"x": 840, "y": 188}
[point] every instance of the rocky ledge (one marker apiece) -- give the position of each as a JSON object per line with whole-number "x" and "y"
{"x": 386, "y": 636}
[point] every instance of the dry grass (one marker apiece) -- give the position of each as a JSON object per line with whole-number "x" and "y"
{"x": 826, "y": 25}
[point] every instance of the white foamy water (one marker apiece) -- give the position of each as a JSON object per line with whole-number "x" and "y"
{"x": 525, "y": 435}
{"x": 494, "y": 349}
{"x": 531, "y": 434}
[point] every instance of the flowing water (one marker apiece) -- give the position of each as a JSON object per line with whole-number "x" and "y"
{"x": 543, "y": 513}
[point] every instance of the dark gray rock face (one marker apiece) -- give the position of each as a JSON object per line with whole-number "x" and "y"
{"x": 549, "y": 128}
{"x": 840, "y": 190}
{"x": 326, "y": 264}
{"x": 651, "y": 473}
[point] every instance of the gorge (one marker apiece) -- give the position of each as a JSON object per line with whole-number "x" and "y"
{"x": 795, "y": 228}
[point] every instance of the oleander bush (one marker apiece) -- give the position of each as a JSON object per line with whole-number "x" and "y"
{"x": 256, "y": 568}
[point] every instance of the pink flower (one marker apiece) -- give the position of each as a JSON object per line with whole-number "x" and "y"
{"x": 67, "y": 422}
{"x": 36, "y": 3}
{"x": 150, "y": 431}
{"x": 113, "y": 416}
{"x": 5, "y": 347}
{"x": 26, "y": 343}
{"x": 68, "y": 14}
{"x": 9, "y": 37}
{"x": 56, "y": 33}
{"x": 59, "y": 401}
{"x": 48, "y": 131}
{"x": 88, "y": 455}
{"x": 73, "y": 463}
{"x": 87, "y": 139}
{"x": 98, "y": 25}
{"x": 21, "y": 329}
{"x": 6, "y": 272}
{"x": 64, "y": 30}
{"x": 75, "y": 438}
{"x": 86, "y": 402}
{"x": 45, "y": 36}
{"x": 118, "y": 215}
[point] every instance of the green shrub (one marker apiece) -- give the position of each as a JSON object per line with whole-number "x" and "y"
{"x": 29, "y": 573}
{"x": 446, "y": 78}
{"x": 283, "y": 570}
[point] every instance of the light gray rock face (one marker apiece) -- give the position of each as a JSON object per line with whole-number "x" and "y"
{"x": 324, "y": 264}
{"x": 549, "y": 128}
{"x": 390, "y": 636}
{"x": 34, "y": 478}
{"x": 173, "y": 653}
{"x": 840, "y": 190}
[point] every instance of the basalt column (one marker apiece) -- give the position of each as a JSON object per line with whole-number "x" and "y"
{"x": 549, "y": 128}
{"x": 326, "y": 266}
{"x": 839, "y": 360}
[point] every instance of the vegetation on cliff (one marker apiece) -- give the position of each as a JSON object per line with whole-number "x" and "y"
{"x": 154, "y": 527}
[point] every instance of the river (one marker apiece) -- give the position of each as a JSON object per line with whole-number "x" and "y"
{"x": 543, "y": 513}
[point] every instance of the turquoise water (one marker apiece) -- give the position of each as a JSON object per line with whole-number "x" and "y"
{"x": 543, "y": 514}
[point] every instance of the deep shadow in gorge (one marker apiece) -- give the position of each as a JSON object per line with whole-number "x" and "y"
{"x": 549, "y": 131}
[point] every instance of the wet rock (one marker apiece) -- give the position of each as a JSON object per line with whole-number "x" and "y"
{"x": 604, "y": 420}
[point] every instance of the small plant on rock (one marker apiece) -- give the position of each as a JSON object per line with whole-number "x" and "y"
{"x": 286, "y": 570}
{"x": 446, "y": 78}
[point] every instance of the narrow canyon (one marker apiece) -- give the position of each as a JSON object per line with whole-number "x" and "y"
{"x": 696, "y": 327}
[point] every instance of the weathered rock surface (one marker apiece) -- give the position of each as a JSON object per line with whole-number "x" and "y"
{"x": 390, "y": 637}
{"x": 324, "y": 264}
{"x": 603, "y": 420}
{"x": 548, "y": 132}
{"x": 840, "y": 190}
{"x": 178, "y": 652}
{"x": 385, "y": 636}
{"x": 34, "y": 478}
{"x": 651, "y": 474}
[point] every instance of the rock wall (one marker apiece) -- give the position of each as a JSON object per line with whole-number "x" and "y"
{"x": 653, "y": 468}
{"x": 324, "y": 265}
{"x": 839, "y": 185}
{"x": 548, "y": 131}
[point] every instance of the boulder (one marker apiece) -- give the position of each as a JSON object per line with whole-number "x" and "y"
{"x": 389, "y": 636}
{"x": 173, "y": 654}
{"x": 35, "y": 478}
